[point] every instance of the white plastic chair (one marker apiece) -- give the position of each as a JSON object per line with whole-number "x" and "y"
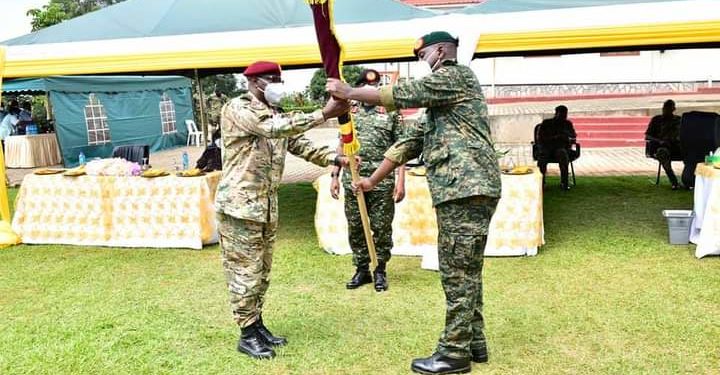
{"x": 194, "y": 135}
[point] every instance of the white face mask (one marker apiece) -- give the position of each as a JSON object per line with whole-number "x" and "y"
{"x": 274, "y": 92}
{"x": 422, "y": 69}
{"x": 426, "y": 64}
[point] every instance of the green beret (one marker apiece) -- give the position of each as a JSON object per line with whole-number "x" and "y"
{"x": 434, "y": 38}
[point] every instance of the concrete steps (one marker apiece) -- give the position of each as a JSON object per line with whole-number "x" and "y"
{"x": 611, "y": 131}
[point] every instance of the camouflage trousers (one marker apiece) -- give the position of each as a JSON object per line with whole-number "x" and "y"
{"x": 247, "y": 249}
{"x": 462, "y": 233}
{"x": 381, "y": 210}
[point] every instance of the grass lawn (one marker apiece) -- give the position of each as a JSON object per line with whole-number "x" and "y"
{"x": 606, "y": 295}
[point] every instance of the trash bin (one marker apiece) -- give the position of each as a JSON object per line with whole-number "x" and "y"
{"x": 679, "y": 225}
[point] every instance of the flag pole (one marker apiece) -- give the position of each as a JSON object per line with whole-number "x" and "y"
{"x": 331, "y": 53}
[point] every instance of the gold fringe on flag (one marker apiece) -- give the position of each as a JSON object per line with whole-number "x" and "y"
{"x": 332, "y": 52}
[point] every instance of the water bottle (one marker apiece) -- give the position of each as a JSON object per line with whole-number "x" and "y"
{"x": 185, "y": 161}
{"x": 81, "y": 158}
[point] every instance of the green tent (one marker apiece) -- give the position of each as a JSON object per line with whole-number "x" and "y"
{"x": 93, "y": 114}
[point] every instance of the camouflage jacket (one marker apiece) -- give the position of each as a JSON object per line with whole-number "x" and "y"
{"x": 376, "y": 132}
{"x": 455, "y": 141}
{"x": 214, "y": 107}
{"x": 255, "y": 141}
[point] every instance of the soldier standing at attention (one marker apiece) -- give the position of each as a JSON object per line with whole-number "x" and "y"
{"x": 376, "y": 133}
{"x": 255, "y": 139}
{"x": 214, "y": 104}
{"x": 464, "y": 179}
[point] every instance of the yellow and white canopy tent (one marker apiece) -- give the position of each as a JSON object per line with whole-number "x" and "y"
{"x": 226, "y": 35}
{"x": 526, "y": 26}
{"x": 214, "y": 35}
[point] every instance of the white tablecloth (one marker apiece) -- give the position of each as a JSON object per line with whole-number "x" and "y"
{"x": 516, "y": 229}
{"x": 705, "y": 227}
{"x": 31, "y": 151}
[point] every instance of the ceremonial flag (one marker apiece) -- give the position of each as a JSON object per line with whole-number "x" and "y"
{"x": 331, "y": 52}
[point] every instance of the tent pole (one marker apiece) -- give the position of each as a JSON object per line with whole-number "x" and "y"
{"x": 48, "y": 110}
{"x": 203, "y": 123}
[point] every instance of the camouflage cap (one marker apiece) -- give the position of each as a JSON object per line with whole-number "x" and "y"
{"x": 434, "y": 38}
{"x": 368, "y": 77}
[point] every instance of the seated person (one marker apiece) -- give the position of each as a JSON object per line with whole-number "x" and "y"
{"x": 24, "y": 117}
{"x": 555, "y": 136}
{"x": 664, "y": 134}
{"x": 8, "y": 123}
{"x": 211, "y": 158}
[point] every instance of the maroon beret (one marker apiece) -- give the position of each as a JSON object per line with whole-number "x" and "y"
{"x": 262, "y": 67}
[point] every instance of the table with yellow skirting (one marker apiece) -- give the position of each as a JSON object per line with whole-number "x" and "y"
{"x": 515, "y": 230}
{"x": 31, "y": 151}
{"x": 705, "y": 227}
{"x": 161, "y": 212}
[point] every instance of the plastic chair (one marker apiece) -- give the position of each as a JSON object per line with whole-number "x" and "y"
{"x": 650, "y": 150}
{"x": 194, "y": 135}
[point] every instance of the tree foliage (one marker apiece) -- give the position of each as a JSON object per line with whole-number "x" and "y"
{"x": 317, "y": 92}
{"x": 228, "y": 84}
{"x": 60, "y": 10}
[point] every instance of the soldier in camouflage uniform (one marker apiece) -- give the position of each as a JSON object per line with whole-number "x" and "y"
{"x": 255, "y": 139}
{"x": 464, "y": 180}
{"x": 376, "y": 133}
{"x": 215, "y": 104}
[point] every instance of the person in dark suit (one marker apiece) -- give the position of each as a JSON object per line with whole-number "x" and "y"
{"x": 664, "y": 134}
{"x": 211, "y": 159}
{"x": 555, "y": 136}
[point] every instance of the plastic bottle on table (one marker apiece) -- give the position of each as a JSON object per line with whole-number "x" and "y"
{"x": 185, "y": 161}
{"x": 81, "y": 158}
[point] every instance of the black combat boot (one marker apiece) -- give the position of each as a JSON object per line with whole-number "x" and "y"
{"x": 479, "y": 355}
{"x": 440, "y": 364}
{"x": 361, "y": 277}
{"x": 380, "y": 276}
{"x": 269, "y": 338}
{"x": 252, "y": 343}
